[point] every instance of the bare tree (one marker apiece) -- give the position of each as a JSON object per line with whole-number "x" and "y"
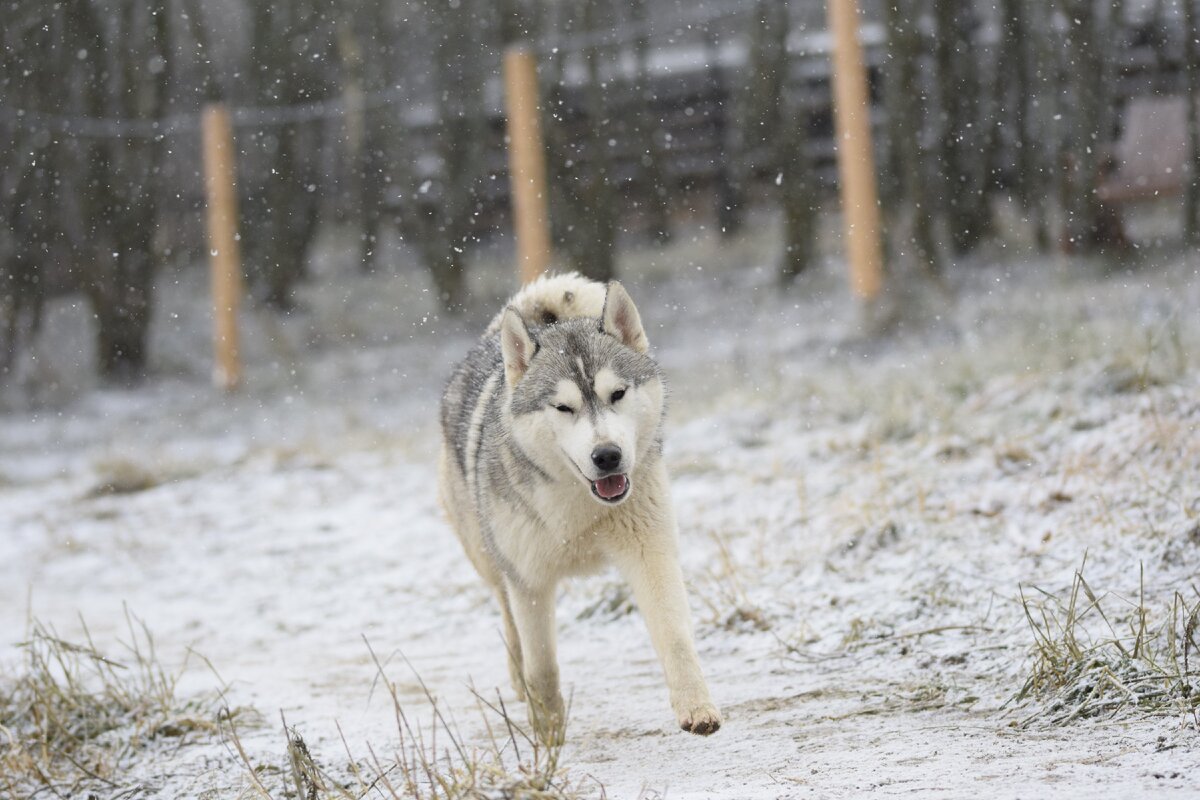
{"x": 29, "y": 48}
{"x": 593, "y": 247}
{"x": 112, "y": 185}
{"x": 440, "y": 217}
{"x": 582, "y": 165}
{"x": 757, "y": 102}
{"x": 1043, "y": 119}
{"x": 290, "y": 47}
{"x": 1191, "y": 68}
{"x": 797, "y": 193}
{"x": 912, "y": 210}
{"x": 647, "y": 129}
{"x": 1087, "y": 136}
{"x": 1017, "y": 97}
{"x": 365, "y": 42}
{"x": 964, "y": 162}
{"x": 727, "y": 188}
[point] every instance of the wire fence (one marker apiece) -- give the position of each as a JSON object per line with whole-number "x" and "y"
{"x": 243, "y": 117}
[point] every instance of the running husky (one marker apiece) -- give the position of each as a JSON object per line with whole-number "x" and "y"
{"x": 552, "y": 466}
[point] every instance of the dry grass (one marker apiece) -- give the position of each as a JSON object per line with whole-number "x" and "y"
{"x": 615, "y": 600}
{"x": 116, "y": 475}
{"x": 431, "y": 761}
{"x": 1100, "y": 655}
{"x": 723, "y": 592}
{"x": 75, "y": 722}
{"x": 72, "y": 716}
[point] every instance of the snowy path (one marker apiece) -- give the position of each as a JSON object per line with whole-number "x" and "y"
{"x": 855, "y": 525}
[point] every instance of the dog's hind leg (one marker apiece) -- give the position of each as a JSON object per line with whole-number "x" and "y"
{"x": 512, "y": 642}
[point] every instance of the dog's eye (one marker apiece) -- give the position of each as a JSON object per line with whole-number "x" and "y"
{"x": 565, "y": 409}
{"x": 617, "y": 395}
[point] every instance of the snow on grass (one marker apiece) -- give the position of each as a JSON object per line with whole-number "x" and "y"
{"x": 1092, "y": 662}
{"x": 863, "y": 523}
{"x": 74, "y": 718}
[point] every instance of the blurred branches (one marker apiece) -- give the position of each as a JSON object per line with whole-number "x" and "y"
{"x": 90, "y": 205}
{"x": 292, "y": 47}
{"x": 442, "y": 222}
{"x": 386, "y": 121}
{"x": 1191, "y": 68}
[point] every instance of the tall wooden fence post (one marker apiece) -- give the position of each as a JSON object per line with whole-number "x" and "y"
{"x": 219, "y": 183}
{"x": 526, "y": 163}
{"x": 856, "y": 160}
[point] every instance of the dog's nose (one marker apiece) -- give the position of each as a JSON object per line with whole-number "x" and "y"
{"x": 606, "y": 457}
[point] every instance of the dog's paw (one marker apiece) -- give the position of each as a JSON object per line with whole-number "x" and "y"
{"x": 702, "y": 719}
{"x": 548, "y": 720}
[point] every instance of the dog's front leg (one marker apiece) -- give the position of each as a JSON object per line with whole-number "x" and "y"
{"x": 533, "y": 612}
{"x": 653, "y": 572}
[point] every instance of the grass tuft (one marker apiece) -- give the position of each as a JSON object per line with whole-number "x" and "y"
{"x": 1098, "y": 655}
{"x": 724, "y": 595}
{"x": 433, "y": 761}
{"x": 72, "y": 715}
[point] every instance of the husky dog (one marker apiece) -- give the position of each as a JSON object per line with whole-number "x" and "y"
{"x": 552, "y": 466}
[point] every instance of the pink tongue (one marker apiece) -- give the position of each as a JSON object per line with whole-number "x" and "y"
{"x": 610, "y": 487}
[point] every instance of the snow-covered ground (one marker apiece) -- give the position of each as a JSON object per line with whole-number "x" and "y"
{"x": 858, "y": 518}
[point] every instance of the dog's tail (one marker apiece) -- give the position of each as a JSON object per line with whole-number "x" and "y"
{"x": 552, "y": 298}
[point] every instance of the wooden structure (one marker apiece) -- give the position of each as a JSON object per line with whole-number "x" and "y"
{"x": 856, "y": 160}
{"x": 220, "y": 189}
{"x": 527, "y": 163}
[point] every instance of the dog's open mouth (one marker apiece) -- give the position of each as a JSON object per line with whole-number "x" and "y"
{"x": 611, "y": 489}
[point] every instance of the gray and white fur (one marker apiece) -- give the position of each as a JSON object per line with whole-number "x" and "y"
{"x": 552, "y": 466}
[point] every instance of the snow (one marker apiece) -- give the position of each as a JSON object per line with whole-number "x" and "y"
{"x": 857, "y": 519}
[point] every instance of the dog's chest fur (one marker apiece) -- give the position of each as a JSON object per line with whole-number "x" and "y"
{"x": 568, "y": 530}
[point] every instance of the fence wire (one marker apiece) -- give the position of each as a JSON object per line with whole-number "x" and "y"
{"x": 243, "y": 117}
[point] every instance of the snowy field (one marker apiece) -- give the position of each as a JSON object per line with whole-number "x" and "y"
{"x": 859, "y": 522}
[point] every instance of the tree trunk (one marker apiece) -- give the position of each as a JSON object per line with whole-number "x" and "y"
{"x": 284, "y": 210}
{"x": 1040, "y": 109}
{"x": 1086, "y": 137}
{"x": 758, "y": 109}
{"x": 289, "y": 212}
{"x": 909, "y": 183}
{"x": 123, "y": 313}
{"x": 372, "y": 166}
{"x": 596, "y": 225}
{"x": 457, "y": 94}
{"x": 1020, "y": 58}
{"x": 797, "y": 195}
{"x": 965, "y": 202}
{"x": 353, "y": 91}
{"x": 32, "y": 180}
{"x": 1191, "y": 66}
{"x": 728, "y": 196}
{"x": 582, "y": 170}
{"x": 648, "y": 133}
{"x": 449, "y": 279}
{"x": 121, "y": 211}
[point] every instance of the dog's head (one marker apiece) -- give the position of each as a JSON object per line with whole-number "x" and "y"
{"x": 584, "y": 394}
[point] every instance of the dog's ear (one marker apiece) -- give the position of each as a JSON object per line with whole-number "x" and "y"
{"x": 620, "y": 319}
{"x": 516, "y": 345}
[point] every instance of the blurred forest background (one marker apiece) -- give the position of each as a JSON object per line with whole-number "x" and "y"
{"x": 386, "y": 119}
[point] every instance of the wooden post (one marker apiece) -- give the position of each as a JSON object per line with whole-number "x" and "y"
{"x": 526, "y": 163}
{"x": 856, "y": 160}
{"x": 219, "y": 183}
